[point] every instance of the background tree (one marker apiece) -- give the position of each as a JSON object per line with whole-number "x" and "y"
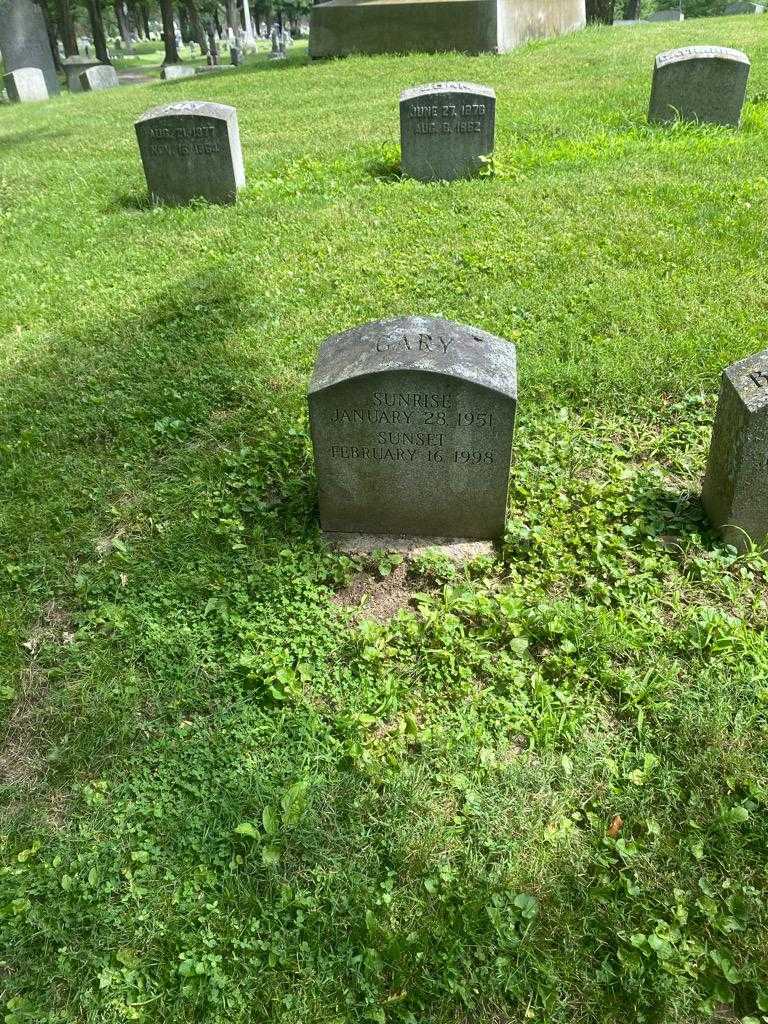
{"x": 196, "y": 25}
{"x": 169, "y": 33}
{"x": 66, "y": 24}
{"x": 53, "y": 39}
{"x": 123, "y": 28}
{"x": 96, "y": 18}
{"x": 600, "y": 12}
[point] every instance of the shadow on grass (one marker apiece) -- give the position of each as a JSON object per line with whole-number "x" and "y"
{"x": 36, "y": 137}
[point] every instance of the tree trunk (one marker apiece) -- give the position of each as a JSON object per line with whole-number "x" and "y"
{"x": 134, "y": 17}
{"x": 600, "y": 12}
{"x": 24, "y": 40}
{"x": 169, "y": 33}
{"x": 67, "y": 28}
{"x": 197, "y": 28}
{"x": 97, "y": 30}
{"x": 632, "y": 10}
{"x": 121, "y": 13}
{"x": 144, "y": 15}
{"x": 184, "y": 25}
{"x": 53, "y": 39}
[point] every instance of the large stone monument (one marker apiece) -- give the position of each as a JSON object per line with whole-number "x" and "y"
{"x": 191, "y": 150}
{"x": 446, "y": 129}
{"x": 102, "y": 76}
{"x": 342, "y": 27}
{"x": 25, "y": 85}
{"x": 699, "y": 83}
{"x": 412, "y": 422}
{"x": 735, "y": 491}
{"x": 24, "y": 40}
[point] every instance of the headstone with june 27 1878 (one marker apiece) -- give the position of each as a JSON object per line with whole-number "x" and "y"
{"x": 735, "y": 491}
{"x": 412, "y": 422}
{"x": 25, "y": 85}
{"x": 446, "y": 129}
{"x": 191, "y": 150}
{"x": 699, "y": 83}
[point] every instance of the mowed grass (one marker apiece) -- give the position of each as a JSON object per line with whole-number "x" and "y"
{"x": 538, "y": 792}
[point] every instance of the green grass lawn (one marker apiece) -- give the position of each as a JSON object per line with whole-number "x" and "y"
{"x": 227, "y": 796}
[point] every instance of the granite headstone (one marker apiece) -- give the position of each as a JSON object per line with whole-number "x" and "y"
{"x": 103, "y": 76}
{"x": 445, "y": 130}
{"x": 735, "y": 490}
{"x": 73, "y": 66}
{"x": 25, "y": 85}
{"x": 412, "y": 422}
{"x": 24, "y": 41}
{"x": 191, "y": 150}
{"x": 699, "y": 83}
{"x": 170, "y": 72}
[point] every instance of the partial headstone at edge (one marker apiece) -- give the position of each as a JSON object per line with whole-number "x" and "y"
{"x": 25, "y": 85}
{"x": 699, "y": 83}
{"x": 191, "y": 150}
{"x": 412, "y": 422}
{"x": 445, "y": 130}
{"x": 94, "y": 79}
{"x": 735, "y": 489}
{"x": 672, "y": 14}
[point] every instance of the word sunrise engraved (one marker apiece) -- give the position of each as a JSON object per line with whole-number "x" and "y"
{"x": 412, "y": 422}
{"x": 445, "y": 130}
{"x": 191, "y": 150}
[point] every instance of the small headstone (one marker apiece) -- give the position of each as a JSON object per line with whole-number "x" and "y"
{"x": 191, "y": 150}
{"x": 25, "y": 85}
{"x": 101, "y": 77}
{"x": 412, "y": 422}
{"x": 445, "y": 130}
{"x": 72, "y": 67}
{"x": 699, "y": 83}
{"x": 673, "y": 14}
{"x": 744, "y": 8}
{"x": 172, "y": 71}
{"x": 235, "y": 56}
{"x": 735, "y": 491}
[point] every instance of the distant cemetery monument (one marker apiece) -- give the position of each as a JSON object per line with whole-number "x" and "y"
{"x": 191, "y": 150}
{"x": 735, "y": 491}
{"x": 412, "y": 422}
{"x": 699, "y": 83}
{"x": 446, "y": 129}
{"x": 342, "y": 27}
{"x": 102, "y": 76}
{"x": 25, "y": 85}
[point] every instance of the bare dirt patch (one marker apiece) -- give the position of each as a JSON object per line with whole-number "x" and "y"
{"x": 374, "y": 597}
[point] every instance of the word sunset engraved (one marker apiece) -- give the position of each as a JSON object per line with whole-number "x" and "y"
{"x": 191, "y": 150}
{"x": 445, "y": 130}
{"x": 412, "y": 422}
{"x": 699, "y": 83}
{"x": 735, "y": 491}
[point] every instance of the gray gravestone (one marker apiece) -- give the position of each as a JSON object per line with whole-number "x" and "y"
{"x": 735, "y": 490}
{"x": 445, "y": 129}
{"x": 24, "y": 41}
{"x": 669, "y": 15}
{"x": 25, "y": 85}
{"x": 699, "y": 83}
{"x": 103, "y": 76}
{"x": 412, "y": 422}
{"x": 191, "y": 150}
{"x": 744, "y": 8}
{"x": 173, "y": 71}
{"x": 73, "y": 66}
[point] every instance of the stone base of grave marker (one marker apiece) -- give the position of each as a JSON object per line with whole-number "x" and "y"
{"x": 25, "y": 85}
{"x": 446, "y": 129}
{"x": 458, "y": 549}
{"x": 342, "y": 27}
{"x": 412, "y": 422}
{"x": 699, "y": 83}
{"x": 103, "y": 76}
{"x": 73, "y": 66}
{"x": 191, "y": 150}
{"x": 173, "y": 71}
{"x": 735, "y": 489}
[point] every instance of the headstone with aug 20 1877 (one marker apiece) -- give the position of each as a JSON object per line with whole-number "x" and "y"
{"x": 191, "y": 150}
{"x": 25, "y": 85}
{"x": 446, "y": 128}
{"x": 735, "y": 490}
{"x": 412, "y": 422}
{"x": 699, "y": 83}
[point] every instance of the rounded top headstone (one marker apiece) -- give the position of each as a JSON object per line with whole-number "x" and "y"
{"x": 429, "y": 344}
{"x": 684, "y": 53}
{"x": 195, "y": 108}
{"x": 416, "y": 91}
